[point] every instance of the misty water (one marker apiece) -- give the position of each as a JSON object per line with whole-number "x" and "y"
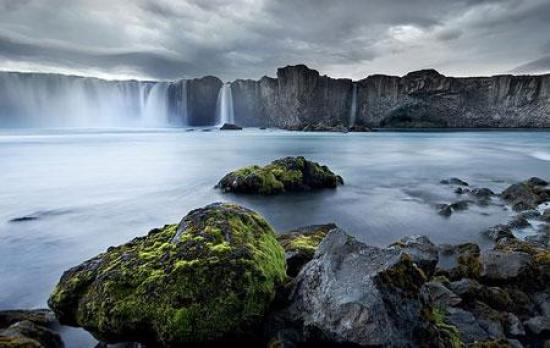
{"x": 77, "y": 193}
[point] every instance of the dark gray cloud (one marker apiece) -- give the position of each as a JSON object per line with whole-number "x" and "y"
{"x": 165, "y": 39}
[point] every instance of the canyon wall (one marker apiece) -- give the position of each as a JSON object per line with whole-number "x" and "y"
{"x": 297, "y": 97}
{"x": 300, "y": 96}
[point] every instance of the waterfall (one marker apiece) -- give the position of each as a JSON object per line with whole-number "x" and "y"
{"x": 353, "y": 108}
{"x": 52, "y": 100}
{"x": 183, "y": 106}
{"x": 224, "y": 106}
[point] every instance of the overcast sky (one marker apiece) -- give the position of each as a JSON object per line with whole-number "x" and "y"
{"x": 169, "y": 39}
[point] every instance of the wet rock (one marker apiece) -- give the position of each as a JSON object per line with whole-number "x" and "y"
{"x": 322, "y": 127}
{"x": 539, "y": 325}
{"x": 467, "y": 325}
{"x": 283, "y": 175}
{"x": 439, "y": 295}
{"x": 542, "y": 300}
{"x": 230, "y": 126}
{"x": 545, "y": 215}
{"x": 448, "y": 209}
{"x": 489, "y": 319}
{"x": 498, "y": 232}
{"x": 204, "y": 281}
{"x": 497, "y": 265}
{"x": 527, "y": 195}
{"x": 28, "y": 329}
{"x": 530, "y": 214}
{"x": 300, "y": 245}
{"x": 513, "y": 325}
{"x": 359, "y": 128}
{"x": 462, "y": 260}
{"x": 482, "y": 194}
{"x": 461, "y": 190}
{"x": 354, "y": 294}
{"x": 421, "y": 250}
{"x": 454, "y": 181}
{"x": 519, "y": 222}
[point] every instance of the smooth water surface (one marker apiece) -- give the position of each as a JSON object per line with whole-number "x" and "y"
{"x": 81, "y": 192}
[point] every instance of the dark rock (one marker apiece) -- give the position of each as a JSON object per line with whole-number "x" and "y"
{"x": 498, "y": 232}
{"x": 482, "y": 193}
{"x": 439, "y": 295}
{"x": 545, "y": 215}
{"x": 354, "y": 294}
{"x": 542, "y": 300}
{"x": 454, "y": 181}
{"x": 489, "y": 319}
{"x": 230, "y": 126}
{"x": 497, "y": 265}
{"x": 321, "y": 127}
{"x": 467, "y": 325}
{"x": 204, "y": 281}
{"x": 28, "y": 329}
{"x": 530, "y": 214}
{"x": 527, "y": 194}
{"x": 519, "y": 222}
{"x": 448, "y": 209}
{"x": 538, "y": 325}
{"x": 359, "y": 128}
{"x": 202, "y": 96}
{"x": 421, "y": 250}
{"x": 513, "y": 325}
{"x": 300, "y": 245}
{"x": 461, "y": 190}
{"x": 462, "y": 261}
{"x": 283, "y": 175}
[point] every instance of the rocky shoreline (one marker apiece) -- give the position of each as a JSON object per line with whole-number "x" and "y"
{"x": 224, "y": 276}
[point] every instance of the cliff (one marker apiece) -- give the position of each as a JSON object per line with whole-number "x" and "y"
{"x": 300, "y": 96}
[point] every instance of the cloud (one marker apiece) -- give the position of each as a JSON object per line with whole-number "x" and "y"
{"x": 538, "y": 66}
{"x": 165, "y": 39}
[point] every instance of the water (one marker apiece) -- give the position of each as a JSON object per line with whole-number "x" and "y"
{"x": 224, "y": 107}
{"x": 353, "y": 109}
{"x": 51, "y": 100}
{"x": 85, "y": 191}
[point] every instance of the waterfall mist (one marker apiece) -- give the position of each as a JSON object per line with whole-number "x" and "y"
{"x": 51, "y": 101}
{"x": 224, "y": 108}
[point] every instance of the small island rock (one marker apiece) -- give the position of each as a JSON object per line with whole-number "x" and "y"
{"x": 282, "y": 175}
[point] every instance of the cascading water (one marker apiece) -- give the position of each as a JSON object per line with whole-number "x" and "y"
{"x": 224, "y": 106}
{"x": 51, "y": 100}
{"x": 353, "y": 109}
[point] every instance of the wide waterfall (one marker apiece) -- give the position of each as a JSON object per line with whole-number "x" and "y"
{"x": 224, "y": 107}
{"x": 52, "y": 100}
{"x": 353, "y": 108}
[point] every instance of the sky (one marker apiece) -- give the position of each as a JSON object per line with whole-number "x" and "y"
{"x": 169, "y": 39}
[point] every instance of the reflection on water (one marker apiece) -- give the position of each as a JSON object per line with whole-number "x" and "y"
{"x": 72, "y": 195}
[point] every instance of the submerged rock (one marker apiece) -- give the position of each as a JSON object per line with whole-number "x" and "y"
{"x": 454, "y": 181}
{"x": 498, "y": 232}
{"x": 527, "y": 194}
{"x": 354, "y": 294}
{"x": 282, "y": 175}
{"x": 207, "y": 280}
{"x": 230, "y": 126}
{"x": 28, "y": 329}
{"x": 300, "y": 245}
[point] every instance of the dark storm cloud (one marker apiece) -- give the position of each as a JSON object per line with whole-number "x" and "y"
{"x": 250, "y": 38}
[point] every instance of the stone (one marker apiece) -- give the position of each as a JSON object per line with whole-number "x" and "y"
{"x": 29, "y": 329}
{"x": 300, "y": 245}
{"x": 545, "y": 216}
{"x": 482, "y": 193}
{"x": 282, "y": 175}
{"x": 497, "y": 265}
{"x": 454, "y": 181}
{"x": 354, "y": 294}
{"x": 203, "y": 281}
{"x": 466, "y": 324}
{"x": 539, "y": 325}
{"x": 498, "y": 232}
{"x": 519, "y": 222}
{"x": 421, "y": 250}
{"x": 230, "y": 126}
{"x": 527, "y": 195}
{"x": 461, "y": 261}
{"x": 513, "y": 325}
{"x": 439, "y": 295}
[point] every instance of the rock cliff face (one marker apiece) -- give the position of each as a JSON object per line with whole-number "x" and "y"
{"x": 300, "y": 96}
{"x": 202, "y": 95}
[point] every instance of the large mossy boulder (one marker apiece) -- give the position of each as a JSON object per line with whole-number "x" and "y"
{"x": 282, "y": 175}
{"x": 207, "y": 280}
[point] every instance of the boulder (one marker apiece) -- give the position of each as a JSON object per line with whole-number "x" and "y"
{"x": 461, "y": 261}
{"x": 300, "y": 245}
{"x": 203, "y": 281}
{"x": 454, "y": 181}
{"x": 28, "y": 329}
{"x": 359, "y": 128}
{"x": 498, "y": 232}
{"x": 545, "y": 216}
{"x": 354, "y": 294}
{"x": 482, "y": 193}
{"x": 527, "y": 194}
{"x": 498, "y": 265}
{"x": 467, "y": 325}
{"x": 230, "y": 126}
{"x": 283, "y": 175}
{"x": 539, "y": 325}
{"x": 421, "y": 250}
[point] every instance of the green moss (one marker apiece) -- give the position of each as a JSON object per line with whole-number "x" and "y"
{"x": 286, "y": 174}
{"x": 18, "y": 342}
{"x": 213, "y": 280}
{"x": 500, "y": 343}
{"x": 448, "y": 332}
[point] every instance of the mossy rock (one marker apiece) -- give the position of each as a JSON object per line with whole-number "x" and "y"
{"x": 283, "y": 175}
{"x": 207, "y": 280}
{"x": 301, "y": 243}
